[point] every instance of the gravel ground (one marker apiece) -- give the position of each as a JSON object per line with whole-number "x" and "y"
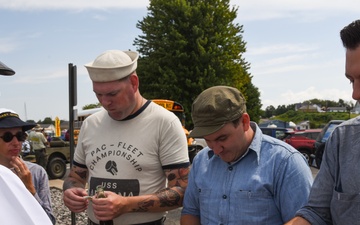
{"x": 61, "y": 212}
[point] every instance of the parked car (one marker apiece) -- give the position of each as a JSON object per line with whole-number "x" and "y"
{"x": 322, "y": 138}
{"x": 303, "y": 141}
{"x": 276, "y": 132}
{"x": 198, "y": 144}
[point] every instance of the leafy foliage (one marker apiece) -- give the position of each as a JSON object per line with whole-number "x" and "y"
{"x": 30, "y": 121}
{"x": 317, "y": 120}
{"x": 271, "y": 111}
{"x": 47, "y": 120}
{"x": 92, "y": 106}
{"x": 188, "y": 46}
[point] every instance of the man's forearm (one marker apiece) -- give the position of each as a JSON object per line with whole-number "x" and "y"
{"x": 298, "y": 221}
{"x": 189, "y": 220}
{"x": 171, "y": 197}
{"x": 77, "y": 178}
{"x": 71, "y": 182}
{"x": 163, "y": 200}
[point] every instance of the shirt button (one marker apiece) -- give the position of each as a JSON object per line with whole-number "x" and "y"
{"x": 224, "y": 196}
{"x": 230, "y": 168}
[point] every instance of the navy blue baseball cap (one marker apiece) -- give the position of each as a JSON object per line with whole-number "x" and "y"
{"x": 10, "y": 119}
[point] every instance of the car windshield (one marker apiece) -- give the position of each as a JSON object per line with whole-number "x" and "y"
{"x": 280, "y": 134}
{"x": 328, "y": 131}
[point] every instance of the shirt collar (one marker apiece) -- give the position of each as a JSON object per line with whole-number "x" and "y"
{"x": 256, "y": 141}
{"x": 254, "y": 146}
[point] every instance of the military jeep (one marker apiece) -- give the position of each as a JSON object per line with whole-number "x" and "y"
{"x": 58, "y": 155}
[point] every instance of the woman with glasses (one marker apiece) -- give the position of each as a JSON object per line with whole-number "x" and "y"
{"x": 33, "y": 176}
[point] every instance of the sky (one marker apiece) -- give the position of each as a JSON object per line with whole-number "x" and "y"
{"x": 293, "y": 48}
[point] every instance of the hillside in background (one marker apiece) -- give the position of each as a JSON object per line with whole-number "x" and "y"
{"x": 316, "y": 119}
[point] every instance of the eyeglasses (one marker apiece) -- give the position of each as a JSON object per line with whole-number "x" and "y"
{"x": 8, "y": 136}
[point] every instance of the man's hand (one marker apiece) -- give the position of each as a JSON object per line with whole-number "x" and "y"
{"x": 74, "y": 189}
{"x": 74, "y": 199}
{"x": 110, "y": 207}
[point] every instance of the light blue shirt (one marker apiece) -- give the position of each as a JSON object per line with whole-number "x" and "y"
{"x": 266, "y": 186}
{"x": 41, "y": 184}
{"x": 335, "y": 195}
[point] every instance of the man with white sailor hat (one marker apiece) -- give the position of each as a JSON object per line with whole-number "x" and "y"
{"x": 132, "y": 148}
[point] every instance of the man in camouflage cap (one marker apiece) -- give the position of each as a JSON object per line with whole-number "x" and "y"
{"x": 243, "y": 176}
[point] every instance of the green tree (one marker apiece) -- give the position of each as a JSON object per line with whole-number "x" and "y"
{"x": 280, "y": 110}
{"x": 48, "y": 120}
{"x": 269, "y": 111}
{"x": 92, "y": 106}
{"x": 341, "y": 103}
{"x": 30, "y": 121}
{"x": 188, "y": 46}
{"x": 290, "y": 107}
{"x": 253, "y": 103}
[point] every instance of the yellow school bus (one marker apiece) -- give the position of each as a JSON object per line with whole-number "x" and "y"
{"x": 174, "y": 107}
{"x": 179, "y": 111}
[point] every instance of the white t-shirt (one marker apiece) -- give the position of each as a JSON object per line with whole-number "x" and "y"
{"x": 18, "y": 206}
{"x": 129, "y": 157}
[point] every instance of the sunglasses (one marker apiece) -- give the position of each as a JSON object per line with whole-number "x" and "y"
{"x": 8, "y": 136}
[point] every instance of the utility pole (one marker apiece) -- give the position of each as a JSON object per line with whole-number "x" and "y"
{"x": 72, "y": 104}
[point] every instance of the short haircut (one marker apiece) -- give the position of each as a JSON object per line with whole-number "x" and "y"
{"x": 350, "y": 35}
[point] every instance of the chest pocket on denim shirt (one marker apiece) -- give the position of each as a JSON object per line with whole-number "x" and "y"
{"x": 253, "y": 207}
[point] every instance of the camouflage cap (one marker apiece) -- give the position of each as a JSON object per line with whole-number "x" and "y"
{"x": 215, "y": 107}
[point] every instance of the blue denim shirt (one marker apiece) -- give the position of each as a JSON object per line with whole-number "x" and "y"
{"x": 266, "y": 186}
{"x": 335, "y": 195}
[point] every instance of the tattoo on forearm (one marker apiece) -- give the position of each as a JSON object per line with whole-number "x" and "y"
{"x": 69, "y": 183}
{"x": 79, "y": 171}
{"x": 171, "y": 177}
{"x": 169, "y": 198}
{"x": 81, "y": 174}
{"x": 76, "y": 178}
{"x": 181, "y": 179}
{"x": 144, "y": 206}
